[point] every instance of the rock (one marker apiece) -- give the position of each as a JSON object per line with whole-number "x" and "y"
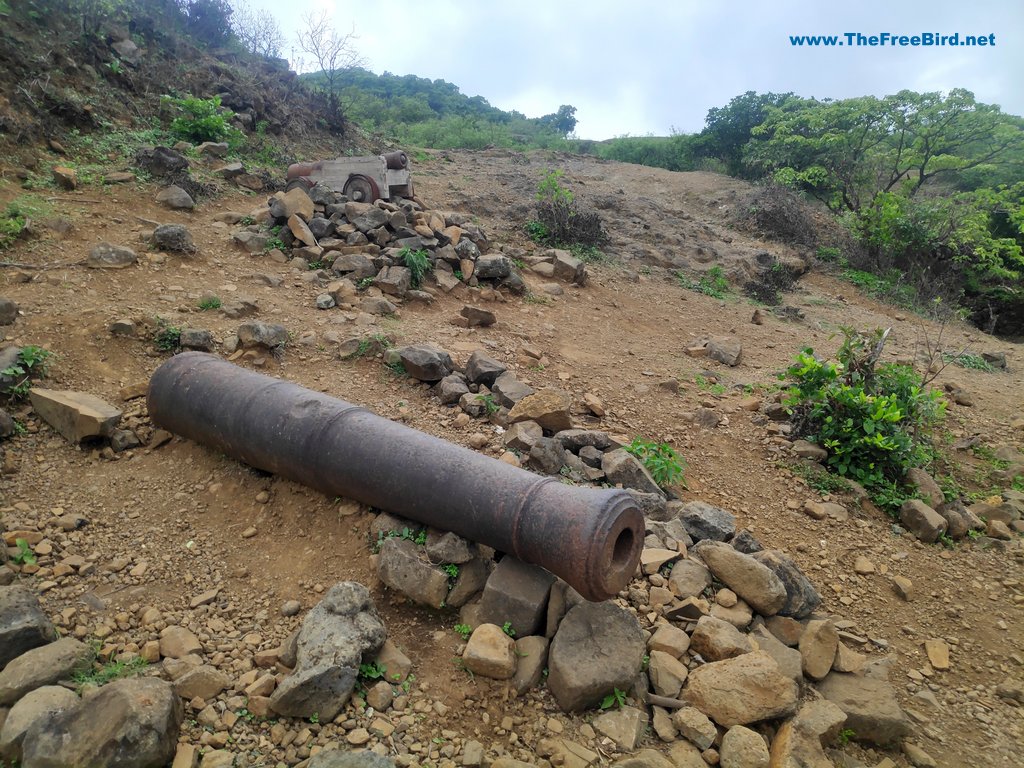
{"x": 532, "y": 659}
{"x": 394, "y": 281}
{"x": 259, "y": 334}
{"x": 959, "y": 521}
{"x": 646, "y": 758}
{"x": 938, "y": 653}
{"x": 481, "y": 369}
{"x": 107, "y": 256}
{"x": 40, "y": 704}
{"x": 548, "y": 407}
{"x": 870, "y": 705}
{"x": 65, "y": 177}
{"x": 173, "y": 237}
{"x": 623, "y": 726}
{"x": 806, "y": 450}
{"x": 295, "y": 202}
{"x": 661, "y": 724}
{"x": 694, "y": 726}
{"x": 567, "y": 267}
{"x": 75, "y": 415}
{"x": 492, "y": 267}
{"x": 8, "y": 311}
{"x": 716, "y": 640}
{"x": 335, "y": 636}
{"x": 669, "y": 639}
{"x": 801, "y": 596}
{"x": 547, "y": 456}
{"x": 862, "y": 566}
{"x": 131, "y": 723}
{"x": 176, "y": 198}
{"x": 743, "y": 748}
{"x": 391, "y": 659}
{"x": 204, "y": 682}
{"x": 400, "y": 567}
{"x": 667, "y": 674}
{"x": 23, "y": 625}
{"x": 745, "y": 542}
{"x": 357, "y": 266}
{"x": 725, "y": 349}
{"x": 365, "y": 217}
{"x": 689, "y": 578}
{"x": 508, "y": 390}
{"x": 178, "y": 642}
{"x": 451, "y": 389}
{"x": 478, "y": 317}
{"x": 927, "y": 489}
{"x": 752, "y": 580}
{"x": 789, "y": 660}
{"x": 490, "y": 653}
{"x": 848, "y": 661}
{"x": 686, "y": 755}
{"x": 598, "y": 647}
{"x": 337, "y": 758}
{"x": 743, "y": 690}
{"x": 917, "y": 756}
{"x": 623, "y": 468}
{"x": 425, "y": 362}
{"x": 447, "y": 547}
{"x": 703, "y": 521}
{"x": 197, "y": 338}
{"x": 516, "y": 593}
{"x": 798, "y": 743}
{"x": 818, "y": 646}
{"x": 160, "y": 161}
{"x": 922, "y": 521}
{"x": 522, "y": 436}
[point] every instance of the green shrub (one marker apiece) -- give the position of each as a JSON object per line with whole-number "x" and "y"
{"x": 874, "y": 420}
{"x": 712, "y": 283}
{"x": 202, "y": 120}
{"x": 561, "y": 221}
{"x": 33, "y": 362}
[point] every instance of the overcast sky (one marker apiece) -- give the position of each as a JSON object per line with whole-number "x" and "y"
{"x": 642, "y": 67}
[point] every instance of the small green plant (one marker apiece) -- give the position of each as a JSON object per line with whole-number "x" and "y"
{"x": 536, "y": 298}
{"x": 100, "y": 674}
{"x": 24, "y": 555}
{"x": 371, "y": 671}
{"x": 947, "y": 541}
{"x": 974, "y": 534}
{"x": 397, "y": 367}
{"x": 365, "y": 283}
{"x": 167, "y": 337}
{"x": 209, "y": 302}
{"x": 465, "y": 630}
{"x": 274, "y": 244}
{"x": 846, "y": 736}
{"x": 716, "y": 388}
{"x": 489, "y": 403}
{"x": 314, "y": 718}
{"x": 458, "y": 275}
{"x": 507, "y": 629}
{"x": 451, "y": 569}
{"x": 969, "y": 360}
{"x": 661, "y": 460}
{"x": 830, "y": 254}
{"x": 645, "y": 662}
{"x": 313, "y": 265}
{"x": 819, "y": 479}
{"x": 33, "y": 362}
{"x": 712, "y": 283}
{"x": 614, "y": 700}
{"x": 418, "y": 264}
{"x": 115, "y": 67}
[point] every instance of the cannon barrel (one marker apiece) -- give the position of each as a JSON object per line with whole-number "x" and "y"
{"x": 590, "y": 537}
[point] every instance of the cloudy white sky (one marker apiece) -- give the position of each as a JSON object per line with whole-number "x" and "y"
{"x": 638, "y": 67}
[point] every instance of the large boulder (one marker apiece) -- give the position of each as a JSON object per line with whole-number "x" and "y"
{"x": 742, "y": 690}
{"x": 126, "y": 724}
{"x": 598, "y": 647}
{"x": 870, "y": 705}
{"x": 801, "y": 597}
{"x": 40, "y": 704}
{"x": 331, "y": 643}
{"x": 922, "y": 521}
{"x": 704, "y": 521}
{"x": 481, "y": 369}
{"x": 23, "y": 625}
{"x": 41, "y": 666}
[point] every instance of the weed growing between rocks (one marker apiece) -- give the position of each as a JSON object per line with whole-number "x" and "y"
{"x": 418, "y": 264}
{"x": 17, "y": 378}
{"x": 665, "y": 465}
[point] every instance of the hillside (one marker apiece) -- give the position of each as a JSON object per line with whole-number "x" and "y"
{"x": 163, "y": 602}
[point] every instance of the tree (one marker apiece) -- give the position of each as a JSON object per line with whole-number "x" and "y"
{"x": 208, "y": 20}
{"x": 257, "y": 30}
{"x": 729, "y": 128}
{"x": 562, "y": 122}
{"x": 334, "y": 54}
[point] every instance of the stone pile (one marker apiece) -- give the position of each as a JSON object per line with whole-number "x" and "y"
{"x": 360, "y": 244}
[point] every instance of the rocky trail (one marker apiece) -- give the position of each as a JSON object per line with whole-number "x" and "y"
{"x": 256, "y": 622}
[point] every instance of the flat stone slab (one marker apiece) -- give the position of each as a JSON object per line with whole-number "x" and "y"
{"x": 76, "y": 415}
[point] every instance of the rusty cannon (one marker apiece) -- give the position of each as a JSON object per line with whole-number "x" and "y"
{"x": 590, "y": 537}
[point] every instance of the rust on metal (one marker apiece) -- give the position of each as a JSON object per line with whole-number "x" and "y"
{"x": 590, "y": 537}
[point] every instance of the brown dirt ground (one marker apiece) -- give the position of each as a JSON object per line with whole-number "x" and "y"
{"x": 181, "y": 508}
